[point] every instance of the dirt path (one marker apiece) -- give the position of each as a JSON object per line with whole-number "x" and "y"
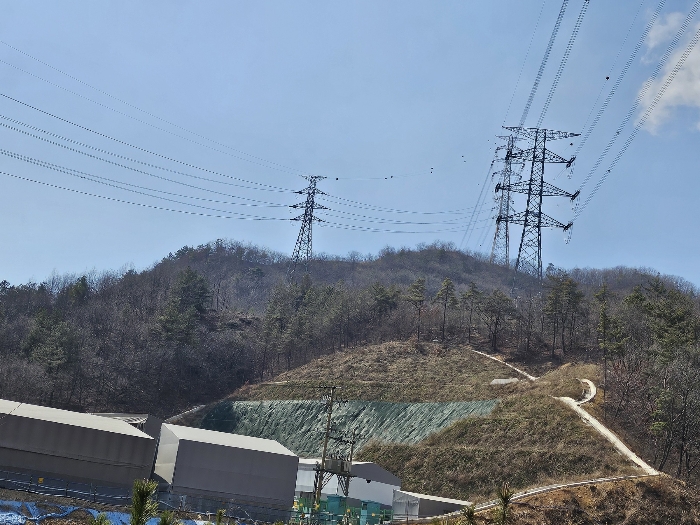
{"x": 607, "y": 434}
{"x": 493, "y": 358}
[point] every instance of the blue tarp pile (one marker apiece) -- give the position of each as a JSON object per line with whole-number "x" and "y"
{"x": 19, "y": 512}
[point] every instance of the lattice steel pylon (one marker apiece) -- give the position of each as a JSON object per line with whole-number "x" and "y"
{"x": 302, "y": 249}
{"x": 533, "y": 218}
{"x": 500, "y": 249}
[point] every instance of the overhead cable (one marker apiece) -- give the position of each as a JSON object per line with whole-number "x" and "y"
{"x": 522, "y": 68}
{"x": 540, "y": 72}
{"x": 621, "y": 76}
{"x": 479, "y": 206}
{"x": 667, "y": 82}
{"x": 640, "y": 96}
{"x": 90, "y": 176}
{"x": 101, "y": 91}
{"x": 225, "y": 215}
{"x": 117, "y": 155}
{"x": 165, "y": 157}
{"x": 564, "y": 60}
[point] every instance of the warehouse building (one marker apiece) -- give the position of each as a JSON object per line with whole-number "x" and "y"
{"x": 53, "y": 443}
{"x": 370, "y": 483}
{"x": 207, "y": 470}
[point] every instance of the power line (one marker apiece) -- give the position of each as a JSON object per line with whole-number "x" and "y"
{"x": 165, "y": 157}
{"x": 143, "y": 205}
{"x": 291, "y": 170}
{"x": 672, "y": 75}
{"x": 522, "y": 68}
{"x": 166, "y": 179}
{"x": 638, "y": 99}
{"x": 266, "y": 165}
{"x": 620, "y": 77}
{"x": 90, "y": 176}
{"x": 540, "y": 72}
{"x": 361, "y": 205}
{"x": 467, "y": 232}
{"x": 564, "y": 60}
{"x": 123, "y": 157}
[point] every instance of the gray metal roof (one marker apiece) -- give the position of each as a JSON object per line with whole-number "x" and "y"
{"x": 362, "y": 469}
{"x": 66, "y": 417}
{"x": 228, "y": 440}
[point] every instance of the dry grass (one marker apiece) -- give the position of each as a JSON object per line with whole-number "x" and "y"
{"x": 661, "y": 500}
{"x": 397, "y": 371}
{"x": 530, "y": 440}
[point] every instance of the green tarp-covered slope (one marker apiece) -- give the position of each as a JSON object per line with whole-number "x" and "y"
{"x": 298, "y": 425}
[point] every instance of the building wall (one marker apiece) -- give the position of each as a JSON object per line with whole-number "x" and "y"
{"x": 229, "y": 472}
{"x": 360, "y": 490}
{"x": 167, "y": 455}
{"x": 77, "y": 453}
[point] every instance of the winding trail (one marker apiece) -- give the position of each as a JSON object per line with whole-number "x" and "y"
{"x": 590, "y": 392}
{"x": 608, "y": 434}
{"x": 494, "y": 358}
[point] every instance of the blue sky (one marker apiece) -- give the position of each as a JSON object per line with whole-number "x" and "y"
{"x": 357, "y": 91}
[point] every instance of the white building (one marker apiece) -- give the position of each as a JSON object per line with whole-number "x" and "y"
{"x": 371, "y": 482}
{"x": 252, "y": 474}
{"x": 52, "y": 443}
{"x": 410, "y": 505}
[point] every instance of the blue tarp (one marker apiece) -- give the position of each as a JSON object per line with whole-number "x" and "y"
{"x": 19, "y": 512}
{"x": 12, "y": 518}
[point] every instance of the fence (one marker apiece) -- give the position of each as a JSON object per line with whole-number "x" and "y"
{"x": 243, "y": 510}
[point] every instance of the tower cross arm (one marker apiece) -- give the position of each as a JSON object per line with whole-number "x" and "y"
{"x": 546, "y": 221}
{"x": 530, "y": 133}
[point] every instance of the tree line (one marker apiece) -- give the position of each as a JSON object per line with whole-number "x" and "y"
{"x": 206, "y": 320}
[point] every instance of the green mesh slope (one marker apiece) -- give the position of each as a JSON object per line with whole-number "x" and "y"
{"x": 298, "y": 425}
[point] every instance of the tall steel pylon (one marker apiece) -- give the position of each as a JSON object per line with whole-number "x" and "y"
{"x": 302, "y": 249}
{"x": 533, "y": 218}
{"x": 500, "y": 250}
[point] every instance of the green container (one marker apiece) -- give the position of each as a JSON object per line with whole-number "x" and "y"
{"x": 370, "y": 513}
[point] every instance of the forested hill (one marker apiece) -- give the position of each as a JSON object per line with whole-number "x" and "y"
{"x": 206, "y": 320}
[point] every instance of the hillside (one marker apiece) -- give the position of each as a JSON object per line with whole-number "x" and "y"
{"x": 529, "y": 438}
{"x": 661, "y": 500}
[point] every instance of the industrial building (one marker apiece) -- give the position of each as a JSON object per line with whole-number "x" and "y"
{"x": 72, "y": 446}
{"x": 409, "y": 505}
{"x": 256, "y": 475}
{"x": 370, "y": 482}
{"x": 144, "y": 422}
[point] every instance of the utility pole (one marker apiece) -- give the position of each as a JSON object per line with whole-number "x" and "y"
{"x": 337, "y": 464}
{"x": 302, "y": 249}
{"x": 533, "y": 218}
{"x": 318, "y": 480}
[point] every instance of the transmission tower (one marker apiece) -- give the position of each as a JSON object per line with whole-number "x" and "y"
{"x": 533, "y": 219}
{"x": 500, "y": 250}
{"x": 302, "y": 249}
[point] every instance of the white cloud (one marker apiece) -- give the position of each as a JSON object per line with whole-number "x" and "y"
{"x": 664, "y": 29}
{"x": 684, "y": 91}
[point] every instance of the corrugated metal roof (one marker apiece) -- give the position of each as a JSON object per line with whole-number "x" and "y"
{"x": 228, "y": 440}
{"x": 66, "y": 417}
